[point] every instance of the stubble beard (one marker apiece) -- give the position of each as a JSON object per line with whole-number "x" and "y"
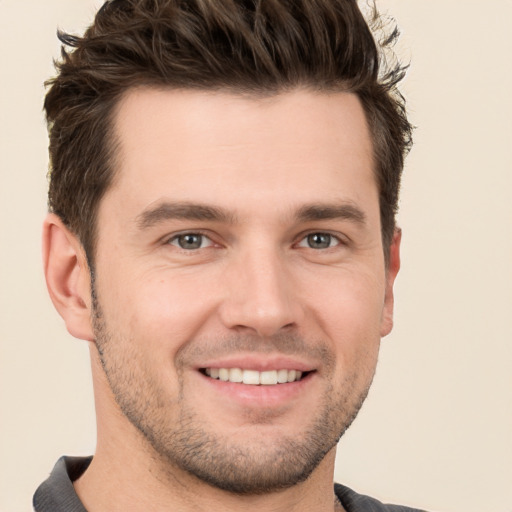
{"x": 248, "y": 467}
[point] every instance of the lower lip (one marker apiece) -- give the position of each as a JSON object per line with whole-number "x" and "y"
{"x": 262, "y": 395}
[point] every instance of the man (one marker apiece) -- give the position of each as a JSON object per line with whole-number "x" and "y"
{"x": 224, "y": 181}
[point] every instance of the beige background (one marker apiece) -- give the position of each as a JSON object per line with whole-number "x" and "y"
{"x": 436, "y": 431}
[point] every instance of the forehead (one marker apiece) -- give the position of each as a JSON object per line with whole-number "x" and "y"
{"x": 219, "y": 146}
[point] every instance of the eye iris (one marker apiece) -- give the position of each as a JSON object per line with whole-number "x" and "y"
{"x": 190, "y": 241}
{"x": 319, "y": 240}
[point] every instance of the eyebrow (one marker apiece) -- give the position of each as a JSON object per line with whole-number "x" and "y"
{"x": 165, "y": 211}
{"x": 343, "y": 211}
{"x": 182, "y": 210}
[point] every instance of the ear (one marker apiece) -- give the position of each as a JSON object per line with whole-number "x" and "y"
{"x": 67, "y": 277}
{"x": 391, "y": 273}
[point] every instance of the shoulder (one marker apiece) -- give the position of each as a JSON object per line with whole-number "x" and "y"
{"x": 354, "y": 502}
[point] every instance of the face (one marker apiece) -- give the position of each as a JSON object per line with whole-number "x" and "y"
{"x": 240, "y": 290}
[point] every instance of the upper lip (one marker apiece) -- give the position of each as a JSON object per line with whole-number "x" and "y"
{"x": 259, "y": 363}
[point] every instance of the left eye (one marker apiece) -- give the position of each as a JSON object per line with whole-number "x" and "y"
{"x": 191, "y": 241}
{"x": 319, "y": 241}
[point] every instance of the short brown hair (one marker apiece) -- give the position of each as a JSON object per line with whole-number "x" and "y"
{"x": 244, "y": 46}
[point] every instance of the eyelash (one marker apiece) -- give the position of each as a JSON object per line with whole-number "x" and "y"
{"x": 305, "y": 238}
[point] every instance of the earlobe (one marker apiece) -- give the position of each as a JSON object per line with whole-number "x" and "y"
{"x": 67, "y": 277}
{"x": 391, "y": 273}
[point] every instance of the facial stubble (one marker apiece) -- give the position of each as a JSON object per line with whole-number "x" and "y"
{"x": 179, "y": 440}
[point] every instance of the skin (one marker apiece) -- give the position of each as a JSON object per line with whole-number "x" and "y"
{"x": 258, "y": 293}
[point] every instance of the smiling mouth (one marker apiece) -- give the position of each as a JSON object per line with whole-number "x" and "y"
{"x": 254, "y": 377}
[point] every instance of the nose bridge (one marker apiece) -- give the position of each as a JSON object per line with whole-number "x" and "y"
{"x": 260, "y": 294}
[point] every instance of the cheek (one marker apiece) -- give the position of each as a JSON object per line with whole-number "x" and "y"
{"x": 350, "y": 315}
{"x": 355, "y": 338}
{"x": 163, "y": 311}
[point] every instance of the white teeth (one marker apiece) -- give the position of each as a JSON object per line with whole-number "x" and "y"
{"x": 253, "y": 377}
{"x": 282, "y": 376}
{"x": 236, "y": 375}
{"x": 268, "y": 378}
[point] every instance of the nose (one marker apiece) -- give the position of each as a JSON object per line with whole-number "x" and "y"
{"x": 261, "y": 295}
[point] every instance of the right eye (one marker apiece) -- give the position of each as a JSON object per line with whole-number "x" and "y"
{"x": 190, "y": 241}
